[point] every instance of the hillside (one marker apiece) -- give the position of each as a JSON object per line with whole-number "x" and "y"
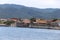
{"x": 20, "y": 11}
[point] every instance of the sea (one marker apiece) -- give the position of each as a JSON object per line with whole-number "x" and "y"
{"x": 16, "y": 33}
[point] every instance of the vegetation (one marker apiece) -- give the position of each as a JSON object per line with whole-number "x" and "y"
{"x": 9, "y": 22}
{"x": 0, "y": 22}
{"x": 33, "y": 20}
{"x": 12, "y": 10}
{"x": 54, "y": 20}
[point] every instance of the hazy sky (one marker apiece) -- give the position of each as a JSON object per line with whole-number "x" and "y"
{"x": 34, "y": 3}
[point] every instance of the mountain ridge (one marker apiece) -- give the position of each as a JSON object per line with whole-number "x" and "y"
{"x": 20, "y": 11}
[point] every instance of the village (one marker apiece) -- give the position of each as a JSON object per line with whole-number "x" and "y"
{"x": 30, "y": 23}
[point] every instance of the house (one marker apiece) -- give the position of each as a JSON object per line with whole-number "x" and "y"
{"x": 58, "y": 22}
{"x": 3, "y": 19}
{"x": 26, "y": 21}
{"x": 14, "y": 19}
{"x": 52, "y": 23}
{"x": 41, "y": 22}
{"x": 38, "y": 23}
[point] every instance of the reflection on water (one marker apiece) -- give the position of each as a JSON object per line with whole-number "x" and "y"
{"x": 13, "y": 33}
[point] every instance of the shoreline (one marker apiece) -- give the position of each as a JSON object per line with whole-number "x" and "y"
{"x": 35, "y": 27}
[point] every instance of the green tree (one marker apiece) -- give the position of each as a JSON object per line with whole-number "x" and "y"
{"x": 33, "y": 20}
{"x": 54, "y": 20}
{"x": 0, "y": 22}
{"x": 9, "y": 22}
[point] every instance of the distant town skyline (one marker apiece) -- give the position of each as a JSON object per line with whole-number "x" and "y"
{"x": 34, "y": 3}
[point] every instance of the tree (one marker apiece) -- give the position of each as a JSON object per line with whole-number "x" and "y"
{"x": 0, "y": 22}
{"x": 54, "y": 20}
{"x": 20, "y": 20}
{"x": 9, "y": 22}
{"x": 33, "y": 20}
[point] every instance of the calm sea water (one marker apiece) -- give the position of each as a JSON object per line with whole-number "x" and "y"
{"x": 13, "y": 33}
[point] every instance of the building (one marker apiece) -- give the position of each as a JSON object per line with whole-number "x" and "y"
{"x": 41, "y": 22}
{"x": 26, "y": 21}
{"x": 3, "y": 19}
{"x": 58, "y": 22}
{"x": 14, "y": 19}
{"x": 52, "y": 23}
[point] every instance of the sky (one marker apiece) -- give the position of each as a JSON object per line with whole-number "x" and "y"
{"x": 34, "y": 3}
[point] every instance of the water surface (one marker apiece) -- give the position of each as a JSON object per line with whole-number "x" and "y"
{"x": 14, "y": 33}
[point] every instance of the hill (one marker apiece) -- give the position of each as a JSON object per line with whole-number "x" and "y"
{"x": 20, "y": 11}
